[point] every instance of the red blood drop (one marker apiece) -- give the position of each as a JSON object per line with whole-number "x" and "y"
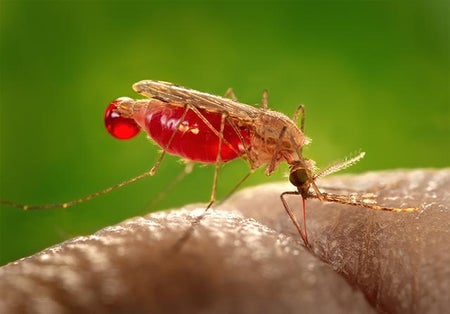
{"x": 192, "y": 139}
{"x": 118, "y": 126}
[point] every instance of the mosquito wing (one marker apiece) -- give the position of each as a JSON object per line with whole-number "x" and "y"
{"x": 172, "y": 93}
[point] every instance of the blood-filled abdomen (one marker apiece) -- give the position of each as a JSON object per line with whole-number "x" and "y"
{"x": 189, "y": 136}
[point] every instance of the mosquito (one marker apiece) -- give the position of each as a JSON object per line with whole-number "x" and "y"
{"x": 204, "y": 128}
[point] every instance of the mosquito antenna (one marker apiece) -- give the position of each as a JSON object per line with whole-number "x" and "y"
{"x": 339, "y": 165}
{"x": 77, "y": 201}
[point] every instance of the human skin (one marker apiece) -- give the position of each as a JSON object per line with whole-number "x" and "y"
{"x": 246, "y": 256}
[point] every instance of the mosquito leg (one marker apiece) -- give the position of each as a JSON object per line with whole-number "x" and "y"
{"x": 300, "y": 112}
{"x": 231, "y": 192}
{"x": 218, "y": 158}
{"x": 264, "y": 100}
{"x": 158, "y": 162}
{"x": 291, "y": 215}
{"x": 246, "y": 147}
{"x": 179, "y": 244}
{"x": 211, "y": 127}
{"x": 316, "y": 189}
{"x": 247, "y": 151}
{"x": 230, "y": 94}
{"x": 271, "y": 165}
{"x": 162, "y": 195}
{"x": 361, "y": 201}
{"x": 80, "y": 200}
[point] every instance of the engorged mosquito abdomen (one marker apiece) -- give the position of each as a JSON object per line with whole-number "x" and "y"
{"x": 192, "y": 138}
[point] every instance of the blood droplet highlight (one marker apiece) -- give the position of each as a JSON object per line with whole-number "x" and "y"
{"x": 118, "y": 126}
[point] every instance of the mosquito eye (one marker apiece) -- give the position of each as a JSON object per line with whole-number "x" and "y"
{"x": 118, "y": 126}
{"x": 298, "y": 177}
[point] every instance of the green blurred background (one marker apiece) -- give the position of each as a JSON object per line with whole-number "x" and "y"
{"x": 374, "y": 75}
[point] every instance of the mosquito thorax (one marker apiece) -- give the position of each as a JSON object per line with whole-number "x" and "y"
{"x": 120, "y": 127}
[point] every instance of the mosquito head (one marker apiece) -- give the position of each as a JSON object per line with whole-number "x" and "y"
{"x": 301, "y": 175}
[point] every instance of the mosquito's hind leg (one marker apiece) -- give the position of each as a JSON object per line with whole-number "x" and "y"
{"x": 169, "y": 142}
{"x": 218, "y": 158}
{"x": 222, "y": 141}
{"x": 300, "y": 112}
{"x": 173, "y": 183}
{"x": 264, "y": 100}
{"x": 247, "y": 153}
{"x": 230, "y": 94}
{"x": 180, "y": 243}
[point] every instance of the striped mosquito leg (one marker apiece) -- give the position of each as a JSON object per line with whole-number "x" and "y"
{"x": 361, "y": 201}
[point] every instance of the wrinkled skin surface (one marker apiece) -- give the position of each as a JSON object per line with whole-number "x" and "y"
{"x": 246, "y": 257}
